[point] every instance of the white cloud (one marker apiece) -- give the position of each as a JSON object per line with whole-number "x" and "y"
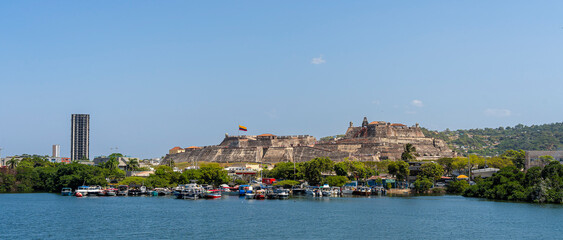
{"x": 375, "y": 102}
{"x": 273, "y": 114}
{"x": 497, "y": 112}
{"x": 319, "y": 60}
{"x": 417, "y": 103}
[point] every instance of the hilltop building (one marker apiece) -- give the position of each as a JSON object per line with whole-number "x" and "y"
{"x": 370, "y": 142}
{"x": 80, "y": 137}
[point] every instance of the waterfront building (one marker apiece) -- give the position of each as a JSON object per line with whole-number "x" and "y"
{"x": 58, "y": 159}
{"x": 56, "y": 151}
{"x": 80, "y": 137}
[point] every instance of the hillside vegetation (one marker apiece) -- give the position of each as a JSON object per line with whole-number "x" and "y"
{"x": 495, "y": 141}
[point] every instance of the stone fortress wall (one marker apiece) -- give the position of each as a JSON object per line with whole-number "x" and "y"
{"x": 370, "y": 142}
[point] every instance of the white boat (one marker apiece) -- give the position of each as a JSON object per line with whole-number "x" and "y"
{"x": 82, "y": 190}
{"x": 335, "y": 191}
{"x": 326, "y": 190}
{"x": 348, "y": 190}
{"x": 94, "y": 190}
{"x": 282, "y": 193}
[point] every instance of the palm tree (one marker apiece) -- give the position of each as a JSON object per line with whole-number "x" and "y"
{"x": 12, "y": 163}
{"x": 133, "y": 164}
{"x": 409, "y": 153}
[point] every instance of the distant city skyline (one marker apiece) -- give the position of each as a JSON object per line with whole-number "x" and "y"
{"x": 158, "y": 75}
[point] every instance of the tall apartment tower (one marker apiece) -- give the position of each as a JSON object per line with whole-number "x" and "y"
{"x": 80, "y": 136}
{"x": 56, "y": 150}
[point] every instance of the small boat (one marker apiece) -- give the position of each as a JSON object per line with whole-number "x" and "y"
{"x": 102, "y": 192}
{"x": 192, "y": 194}
{"x": 249, "y": 195}
{"x": 244, "y": 189}
{"x": 83, "y": 190}
{"x": 348, "y": 190}
{"x": 335, "y": 191}
{"x": 213, "y": 194}
{"x": 260, "y": 194}
{"x": 325, "y": 190}
{"x": 122, "y": 190}
{"x": 362, "y": 191}
{"x": 94, "y": 190}
{"x": 111, "y": 192}
{"x": 66, "y": 191}
{"x": 282, "y": 193}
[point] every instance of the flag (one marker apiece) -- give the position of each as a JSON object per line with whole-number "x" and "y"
{"x": 242, "y": 128}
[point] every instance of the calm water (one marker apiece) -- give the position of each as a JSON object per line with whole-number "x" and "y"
{"x": 50, "y": 216}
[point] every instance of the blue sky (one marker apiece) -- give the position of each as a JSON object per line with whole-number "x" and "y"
{"x": 154, "y": 75}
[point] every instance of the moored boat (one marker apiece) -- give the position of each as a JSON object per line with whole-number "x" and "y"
{"x": 66, "y": 191}
{"x": 122, "y": 190}
{"x": 362, "y": 191}
{"x": 260, "y": 194}
{"x": 83, "y": 190}
{"x": 213, "y": 194}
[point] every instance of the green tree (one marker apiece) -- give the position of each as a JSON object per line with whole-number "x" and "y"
{"x": 457, "y": 186}
{"x": 312, "y": 170}
{"x": 12, "y": 163}
{"x": 517, "y": 157}
{"x": 432, "y": 171}
{"x": 422, "y": 185}
{"x": 132, "y": 164}
{"x": 447, "y": 164}
{"x": 399, "y": 169}
{"x": 336, "y": 181}
{"x": 286, "y": 170}
{"x": 286, "y": 183}
{"x": 409, "y": 154}
{"x": 213, "y": 173}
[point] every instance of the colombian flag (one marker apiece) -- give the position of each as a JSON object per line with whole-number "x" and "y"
{"x": 242, "y": 128}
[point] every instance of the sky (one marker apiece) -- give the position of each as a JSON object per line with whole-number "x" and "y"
{"x": 158, "y": 74}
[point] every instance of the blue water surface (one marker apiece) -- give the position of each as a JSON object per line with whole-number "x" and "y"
{"x": 51, "y": 216}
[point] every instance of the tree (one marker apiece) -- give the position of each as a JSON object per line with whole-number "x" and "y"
{"x": 447, "y": 164}
{"x": 312, "y": 170}
{"x": 517, "y": 157}
{"x": 432, "y": 171}
{"x": 457, "y": 186}
{"x": 132, "y": 164}
{"x": 399, "y": 169}
{"x": 336, "y": 181}
{"x": 422, "y": 185}
{"x": 12, "y": 163}
{"x": 409, "y": 153}
{"x": 286, "y": 170}
{"x": 213, "y": 173}
{"x": 341, "y": 168}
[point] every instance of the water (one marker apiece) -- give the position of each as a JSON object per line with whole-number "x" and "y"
{"x": 51, "y": 216}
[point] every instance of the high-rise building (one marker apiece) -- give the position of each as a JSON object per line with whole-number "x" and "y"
{"x": 80, "y": 137}
{"x": 56, "y": 150}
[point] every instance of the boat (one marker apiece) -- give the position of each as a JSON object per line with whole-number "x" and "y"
{"x": 325, "y": 190}
{"x": 282, "y": 193}
{"x": 335, "y": 191}
{"x": 244, "y": 189}
{"x": 122, "y": 190}
{"x": 102, "y": 192}
{"x": 137, "y": 190}
{"x": 191, "y": 191}
{"x": 348, "y": 190}
{"x": 111, "y": 192}
{"x": 213, "y": 194}
{"x": 94, "y": 190}
{"x": 83, "y": 190}
{"x": 249, "y": 195}
{"x": 66, "y": 191}
{"x": 260, "y": 194}
{"x": 362, "y": 191}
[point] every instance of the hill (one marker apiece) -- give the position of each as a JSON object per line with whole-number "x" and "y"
{"x": 495, "y": 141}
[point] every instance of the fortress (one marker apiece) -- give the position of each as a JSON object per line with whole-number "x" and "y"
{"x": 373, "y": 141}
